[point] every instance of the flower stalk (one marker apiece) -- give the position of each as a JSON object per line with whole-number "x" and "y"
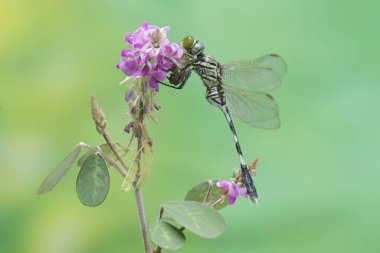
{"x": 139, "y": 202}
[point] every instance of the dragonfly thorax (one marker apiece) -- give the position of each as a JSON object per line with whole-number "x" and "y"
{"x": 209, "y": 70}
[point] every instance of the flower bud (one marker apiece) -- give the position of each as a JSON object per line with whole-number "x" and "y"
{"x": 98, "y": 117}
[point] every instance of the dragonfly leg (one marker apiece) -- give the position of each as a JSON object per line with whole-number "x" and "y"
{"x": 178, "y": 79}
{"x": 171, "y": 85}
{"x": 183, "y": 67}
{"x": 179, "y": 66}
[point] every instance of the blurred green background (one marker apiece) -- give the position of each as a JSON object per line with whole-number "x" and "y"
{"x": 318, "y": 175}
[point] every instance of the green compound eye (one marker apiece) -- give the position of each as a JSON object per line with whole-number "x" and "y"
{"x": 188, "y": 42}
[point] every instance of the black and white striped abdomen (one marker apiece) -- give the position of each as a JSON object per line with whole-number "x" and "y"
{"x": 216, "y": 96}
{"x": 209, "y": 71}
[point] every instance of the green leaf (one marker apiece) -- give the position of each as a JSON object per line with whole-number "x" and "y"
{"x": 198, "y": 193}
{"x": 197, "y": 217}
{"x": 84, "y": 157}
{"x": 130, "y": 177}
{"x": 107, "y": 150}
{"x": 145, "y": 168}
{"x": 166, "y": 235}
{"x": 93, "y": 181}
{"x": 56, "y": 175}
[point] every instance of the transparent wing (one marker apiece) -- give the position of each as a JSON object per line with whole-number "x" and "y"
{"x": 262, "y": 74}
{"x": 257, "y": 109}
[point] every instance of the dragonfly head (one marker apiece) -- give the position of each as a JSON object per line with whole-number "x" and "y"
{"x": 192, "y": 46}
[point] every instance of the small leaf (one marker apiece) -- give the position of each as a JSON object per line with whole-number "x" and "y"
{"x": 93, "y": 181}
{"x": 84, "y": 157}
{"x": 197, "y": 217}
{"x": 130, "y": 177}
{"x": 56, "y": 175}
{"x": 145, "y": 168}
{"x": 107, "y": 150}
{"x": 166, "y": 235}
{"x": 199, "y": 192}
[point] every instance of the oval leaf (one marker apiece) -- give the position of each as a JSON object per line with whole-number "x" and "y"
{"x": 93, "y": 181}
{"x": 198, "y": 193}
{"x": 56, "y": 175}
{"x": 197, "y": 217}
{"x": 166, "y": 235}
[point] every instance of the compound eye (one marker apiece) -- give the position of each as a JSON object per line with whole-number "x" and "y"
{"x": 188, "y": 42}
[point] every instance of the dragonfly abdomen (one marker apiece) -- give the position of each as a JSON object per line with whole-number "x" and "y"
{"x": 215, "y": 96}
{"x": 247, "y": 179}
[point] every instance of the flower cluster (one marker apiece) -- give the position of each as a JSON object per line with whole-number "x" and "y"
{"x": 150, "y": 55}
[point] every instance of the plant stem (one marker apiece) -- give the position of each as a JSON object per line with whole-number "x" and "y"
{"x": 139, "y": 202}
{"x": 107, "y": 138}
{"x": 143, "y": 226}
{"x": 113, "y": 164}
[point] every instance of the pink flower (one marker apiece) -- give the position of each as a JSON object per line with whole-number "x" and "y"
{"x": 150, "y": 54}
{"x": 233, "y": 190}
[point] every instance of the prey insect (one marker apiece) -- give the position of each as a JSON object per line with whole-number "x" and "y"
{"x": 238, "y": 88}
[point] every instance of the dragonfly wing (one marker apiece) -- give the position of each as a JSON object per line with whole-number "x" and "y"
{"x": 257, "y": 109}
{"x": 262, "y": 74}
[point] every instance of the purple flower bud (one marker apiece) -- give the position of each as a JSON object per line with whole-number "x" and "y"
{"x": 129, "y": 126}
{"x": 144, "y": 109}
{"x": 128, "y": 95}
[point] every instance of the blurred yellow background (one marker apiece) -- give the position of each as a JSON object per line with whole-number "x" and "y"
{"x": 318, "y": 175}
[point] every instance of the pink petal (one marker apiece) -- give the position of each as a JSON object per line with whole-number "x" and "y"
{"x": 159, "y": 74}
{"x": 126, "y": 53}
{"x": 153, "y": 83}
{"x": 242, "y": 192}
{"x": 129, "y": 67}
{"x": 145, "y": 70}
{"x": 166, "y": 65}
{"x": 129, "y": 38}
{"x": 231, "y": 200}
{"x": 168, "y": 51}
{"x": 223, "y": 184}
{"x": 144, "y": 25}
{"x": 232, "y": 192}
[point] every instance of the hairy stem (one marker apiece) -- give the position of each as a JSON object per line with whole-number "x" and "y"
{"x": 140, "y": 210}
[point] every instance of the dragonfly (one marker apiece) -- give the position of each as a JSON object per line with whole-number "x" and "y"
{"x": 238, "y": 88}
